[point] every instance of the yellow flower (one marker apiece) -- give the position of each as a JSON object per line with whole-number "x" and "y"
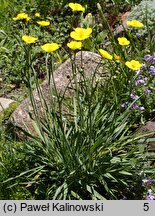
{"x": 28, "y": 19}
{"x": 105, "y": 54}
{"x": 50, "y": 47}
{"x": 81, "y": 33}
{"x": 123, "y": 41}
{"x": 74, "y": 45}
{"x": 133, "y": 64}
{"x": 22, "y": 16}
{"x": 37, "y": 14}
{"x": 76, "y": 7}
{"x": 135, "y": 23}
{"x": 43, "y": 23}
{"x": 117, "y": 57}
{"x": 29, "y": 39}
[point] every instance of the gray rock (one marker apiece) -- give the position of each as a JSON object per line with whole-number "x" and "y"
{"x": 63, "y": 77}
{"x": 120, "y": 28}
{"x": 5, "y": 103}
{"x": 148, "y": 127}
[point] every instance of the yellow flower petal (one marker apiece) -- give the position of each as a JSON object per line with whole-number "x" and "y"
{"x": 135, "y": 23}
{"x": 14, "y": 18}
{"x": 37, "y": 14}
{"x": 76, "y": 7}
{"x": 29, "y": 39}
{"x": 133, "y": 64}
{"x": 123, "y": 41}
{"x": 105, "y": 54}
{"x": 81, "y": 33}
{"x": 43, "y": 23}
{"x": 87, "y": 31}
{"x": 74, "y": 45}
{"x": 50, "y": 47}
{"x": 22, "y": 16}
{"x": 28, "y": 19}
{"x": 117, "y": 57}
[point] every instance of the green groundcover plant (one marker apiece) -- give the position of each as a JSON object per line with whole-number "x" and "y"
{"x": 144, "y": 12}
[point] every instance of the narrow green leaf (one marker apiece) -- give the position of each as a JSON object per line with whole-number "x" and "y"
{"x": 125, "y": 173}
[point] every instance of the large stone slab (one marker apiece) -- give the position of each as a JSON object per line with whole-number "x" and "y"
{"x": 120, "y": 28}
{"x": 5, "y": 103}
{"x": 149, "y": 127}
{"x": 63, "y": 77}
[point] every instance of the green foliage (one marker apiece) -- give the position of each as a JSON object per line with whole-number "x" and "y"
{"x": 10, "y": 60}
{"x": 12, "y": 159}
{"x": 60, "y": 27}
{"x": 88, "y": 153}
{"x": 5, "y": 114}
{"x": 12, "y": 162}
{"x": 12, "y": 55}
{"x": 144, "y": 12}
{"x": 83, "y": 161}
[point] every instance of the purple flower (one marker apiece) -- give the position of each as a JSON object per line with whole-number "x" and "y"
{"x": 153, "y": 59}
{"x": 135, "y": 106}
{"x": 140, "y": 82}
{"x": 150, "y": 197}
{"x": 147, "y": 90}
{"x": 140, "y": 76}
{"x": 143, "y": 66}
{"x": 150, "y": 192}
{"x": 148, "y": 58}
{"x": 152, "y": 70}
{"x": 124, "y": 105}
{"x": 141, "y": 108}
{"x": 134, "y": 97}
{"x": 147, "y": 181}
{"x": 145, "y": 78}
